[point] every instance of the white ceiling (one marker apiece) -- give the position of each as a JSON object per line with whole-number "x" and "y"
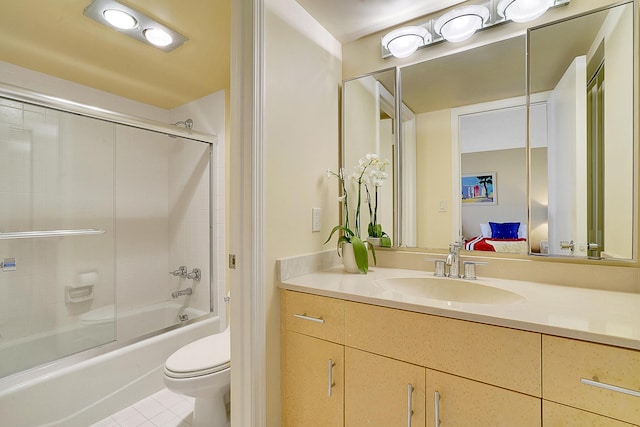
{"x": 348, "y": 20}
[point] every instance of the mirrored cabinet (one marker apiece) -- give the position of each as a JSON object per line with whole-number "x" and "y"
{"x": 527, "y": 145}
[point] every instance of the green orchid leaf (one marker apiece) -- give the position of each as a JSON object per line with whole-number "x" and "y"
{"x": 360, "y": 254}
{"x": 385, "y": 241}
{"x": 346, "y": 231}
{"x": 373, "y": 253}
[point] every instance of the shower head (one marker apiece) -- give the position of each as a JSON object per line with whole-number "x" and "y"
{"x": 188, "y": 124}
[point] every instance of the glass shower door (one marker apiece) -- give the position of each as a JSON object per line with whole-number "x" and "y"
{"x": 56, "y": 234}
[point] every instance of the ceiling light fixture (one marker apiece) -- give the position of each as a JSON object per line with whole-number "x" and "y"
{"x": 120, "y": 19}
{"x": 461, "y": 23}
{"x": 135, "y": 24}
{"x": 523, "y": 10}
{"x": 157, "y": 37}
{"x": 405, "y": 41}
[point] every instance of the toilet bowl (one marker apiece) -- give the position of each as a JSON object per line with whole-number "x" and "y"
{"x": 202, "y": 369}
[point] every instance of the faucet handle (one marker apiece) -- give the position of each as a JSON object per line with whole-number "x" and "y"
{"x": 470, "y": 269}
{"x": 180, "y": 272}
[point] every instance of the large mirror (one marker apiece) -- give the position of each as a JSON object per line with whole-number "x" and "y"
{"x": 475, "y": 125}
{"x": 583, "y": 71}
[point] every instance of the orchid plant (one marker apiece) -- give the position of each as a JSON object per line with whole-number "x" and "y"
{"x": 352, "y": 235}
{"x": 377, "y": 175}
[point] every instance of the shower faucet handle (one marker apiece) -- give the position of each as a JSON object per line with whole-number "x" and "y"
{"x": 180, "y": 272}
{"x": 195, "y": 274}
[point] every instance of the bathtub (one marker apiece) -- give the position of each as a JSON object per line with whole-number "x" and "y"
{"x": 87, "y": 387}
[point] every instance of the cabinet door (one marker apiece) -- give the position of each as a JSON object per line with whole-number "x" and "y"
{"x": 593, "y": 377}
{"x": 313, "y": 386}
{"x": 556, "y": 415}
{"x": 382, "y": 392}
{"x": 466, "y": 403}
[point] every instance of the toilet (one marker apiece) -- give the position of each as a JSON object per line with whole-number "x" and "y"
{"x": 202, "y": 369}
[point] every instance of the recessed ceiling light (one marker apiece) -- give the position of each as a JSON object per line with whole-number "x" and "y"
{"x": 120, "y": 19}
{"x": 157, "y": 37}
{"x": 134, "y": 24}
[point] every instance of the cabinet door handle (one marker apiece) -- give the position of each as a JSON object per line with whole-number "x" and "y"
{"x": 312, "y": 319}
{"x": 596, "y": 383}
{"x": 409, "y": 404}
{"x": 330, "y": 376}
{"x": 436, "y": 410}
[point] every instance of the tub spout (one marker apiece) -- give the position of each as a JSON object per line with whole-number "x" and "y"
{"x": 177, "y": 294}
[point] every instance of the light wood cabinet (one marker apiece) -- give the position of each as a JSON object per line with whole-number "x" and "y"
{"x": 382, "y": 392}
{"x": 556, "y": 415}
{"x": 466, "y": 403}
{"x": 313, "y": 384}
{"x": 578, "y": 374}
{"x": 483, "y": 375}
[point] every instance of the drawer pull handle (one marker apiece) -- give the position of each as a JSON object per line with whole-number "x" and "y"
{"x": 436, "y": 411}
{"x": 312, "y": 319}
{"x": 594, "y": 382}
{"x": 409, "y": 404}
{"x": 331, "y": 383}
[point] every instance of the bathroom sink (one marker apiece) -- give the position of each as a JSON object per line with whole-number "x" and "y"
{"x": 445, "y": 289}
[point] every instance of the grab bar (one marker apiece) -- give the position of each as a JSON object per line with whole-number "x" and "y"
{"x": 49, "y": 233}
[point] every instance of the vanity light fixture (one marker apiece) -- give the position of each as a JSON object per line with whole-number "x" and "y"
{"x": 402, "y": 42}
{"x": 461, "y": 23}
{"x": 135, "y": 24}
{"x": 523, "y": 10}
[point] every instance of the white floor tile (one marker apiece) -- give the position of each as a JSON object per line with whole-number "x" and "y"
{"x": 162, "y": 409}
{"x": 149, "y": 407}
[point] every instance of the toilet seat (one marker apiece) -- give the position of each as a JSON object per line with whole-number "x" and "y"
{"x": 205, "y": 356}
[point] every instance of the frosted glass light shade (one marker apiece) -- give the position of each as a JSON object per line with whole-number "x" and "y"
{"x": 459, "y": 24}
{"x": 157, "y": 37}
{"x": 522, "y": 10}
{"x": 405, "y": 41}
{"x": 120, "y": 19}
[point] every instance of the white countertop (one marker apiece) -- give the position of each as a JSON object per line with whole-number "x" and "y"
{"x": 593, "y": 315}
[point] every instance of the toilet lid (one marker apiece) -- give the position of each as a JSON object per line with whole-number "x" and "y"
{"x": 205, "y": 356}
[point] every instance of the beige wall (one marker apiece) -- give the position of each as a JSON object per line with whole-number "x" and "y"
{"x": 303, "y": 76}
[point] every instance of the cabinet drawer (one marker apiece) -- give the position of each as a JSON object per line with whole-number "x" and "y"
{"x": 556, "y": 415}
{"x": 314, "y": 315}
{"x": 500, "y": 356}
{"x": 569, "y": 363}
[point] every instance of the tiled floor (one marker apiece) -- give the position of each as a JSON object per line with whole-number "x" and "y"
{"x": 163, "y": 409}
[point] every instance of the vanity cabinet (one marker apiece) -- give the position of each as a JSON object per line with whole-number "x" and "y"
{"x": 392, "y": 367}
{"x": 593, "y": 377}
{"x": 380, "y": 391}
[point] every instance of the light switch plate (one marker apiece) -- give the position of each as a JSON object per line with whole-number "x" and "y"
{"x": 316, "y": 219}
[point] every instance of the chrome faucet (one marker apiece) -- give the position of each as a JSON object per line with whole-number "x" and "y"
{"x": 454, "y": 261}
{"x": 177, "y": 294}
